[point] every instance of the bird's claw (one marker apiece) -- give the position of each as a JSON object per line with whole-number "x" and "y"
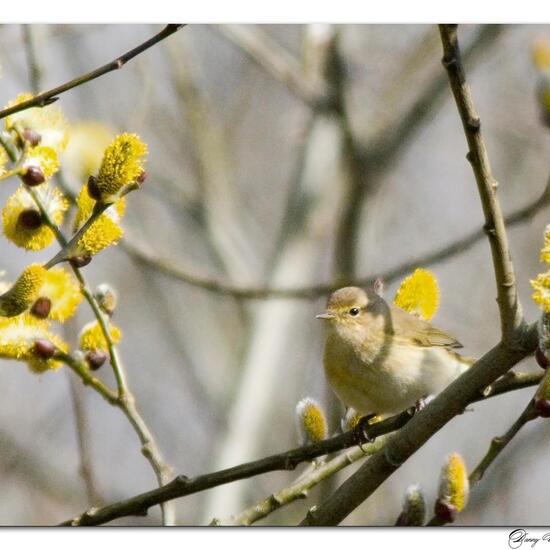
{"x": 361, "y": 431}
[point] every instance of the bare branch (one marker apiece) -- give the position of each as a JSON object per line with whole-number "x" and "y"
{"x": 135, "y": 248}
{"x": 50, "y": 96}
{"x": 511, "y": 316}
{"x": 299, "y": 489}
{"x": 183, "y": 486}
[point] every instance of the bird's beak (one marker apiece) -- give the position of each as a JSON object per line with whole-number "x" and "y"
{"x": 327, "y": 316}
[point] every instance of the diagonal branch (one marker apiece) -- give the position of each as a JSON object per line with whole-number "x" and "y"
{"x": 511, "y": 316}
{"x": 183, "y": 486}
{"x": 50, "y": 96}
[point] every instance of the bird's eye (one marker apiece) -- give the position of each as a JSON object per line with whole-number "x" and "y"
{"x": 354, "y": 311}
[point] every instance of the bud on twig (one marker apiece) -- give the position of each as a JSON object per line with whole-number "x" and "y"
{"x": 350, "y": 420}
{"x": 95, "y": 358}
{"x": 310, "y": 421}
{"x": 44, "y": 348}
{"x": 541, "y": 358}
{"x": 454, "y": 488}
{"x": 32, "y": 136}
{"x": 414, "y": 508}
{"x": 29, "y": 219}
{"x": 106, "y": 298}
{"x": 42, "y": 307}
{"x": 33, "y": 176}
{"x": 81, "y": 261}
{"x": 93, "y": 189}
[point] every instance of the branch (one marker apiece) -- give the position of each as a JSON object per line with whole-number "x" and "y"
{"x": 511, "y": 316}
{"x": 50, "y": 96}
{"x": 140, "y": 252}
{"x": 499, "y": 443}
{"x": 183, "y": 486}
{"x": 299, "y": 488}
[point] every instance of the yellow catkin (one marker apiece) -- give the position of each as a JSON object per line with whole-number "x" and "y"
{"x": 49, "y": 122}
{"x": 311, "y": 421}
{"x": 122, "y": 164}
{"x": 419, "y": 294}
{"x": 24, "y": 291}
{"x": 63, "y": 291}
{"x": 454, "y": 485}
{"x": 34, "y": 238}
{"x": 92, "y": 337}
{"x": 106, "y": 229}
{"x": 17, "y": 339}
{"x": 541, "y": 294}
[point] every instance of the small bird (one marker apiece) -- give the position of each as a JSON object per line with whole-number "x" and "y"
{"x": 380, "y": 359}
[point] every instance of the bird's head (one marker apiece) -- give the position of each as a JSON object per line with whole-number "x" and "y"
{"x": 349, "y": 307}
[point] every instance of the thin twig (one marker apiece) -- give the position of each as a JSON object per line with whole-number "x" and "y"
{"x": 498, "y": 443}
{"x": 50, "y": 96}
{"x": 183, "y": 486}
{"x": 299, "y": 488}
{"x": 511, "y": 316}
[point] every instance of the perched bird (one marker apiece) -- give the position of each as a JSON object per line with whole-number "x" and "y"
{"x": 380, "y": 359}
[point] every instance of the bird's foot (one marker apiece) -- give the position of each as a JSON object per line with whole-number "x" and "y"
{"x": 361, "y": 433}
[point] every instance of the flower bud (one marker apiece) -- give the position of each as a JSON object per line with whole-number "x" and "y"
{"x": 44, "y": 348}
{"x": 542, "y": 407}
{"x": 444, "y": 511}
{"x": 106, "y": 298}
{"x": 42, "y": 307}
{"x": 29, "y": 219}
{"x": 33, "y": 176}
{"x": 350, "y": 420}
{"x": 414, "y": 508}
{"x": 92, "y": 337}
{"x": 310, "y": 421}
{"x": 142, "y": 177}
{"x": 93, "y": 189}
{"x": 95, "y": 358}
{"x": 542, "y": 396}
{"x": 32, "y": 136}
{"x": 81, "y": 260}
{"x": 454, "y": 488}
{"x": 541, "y": 358}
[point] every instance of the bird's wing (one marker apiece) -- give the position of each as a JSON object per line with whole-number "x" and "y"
{"x": 420, "y": 332}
